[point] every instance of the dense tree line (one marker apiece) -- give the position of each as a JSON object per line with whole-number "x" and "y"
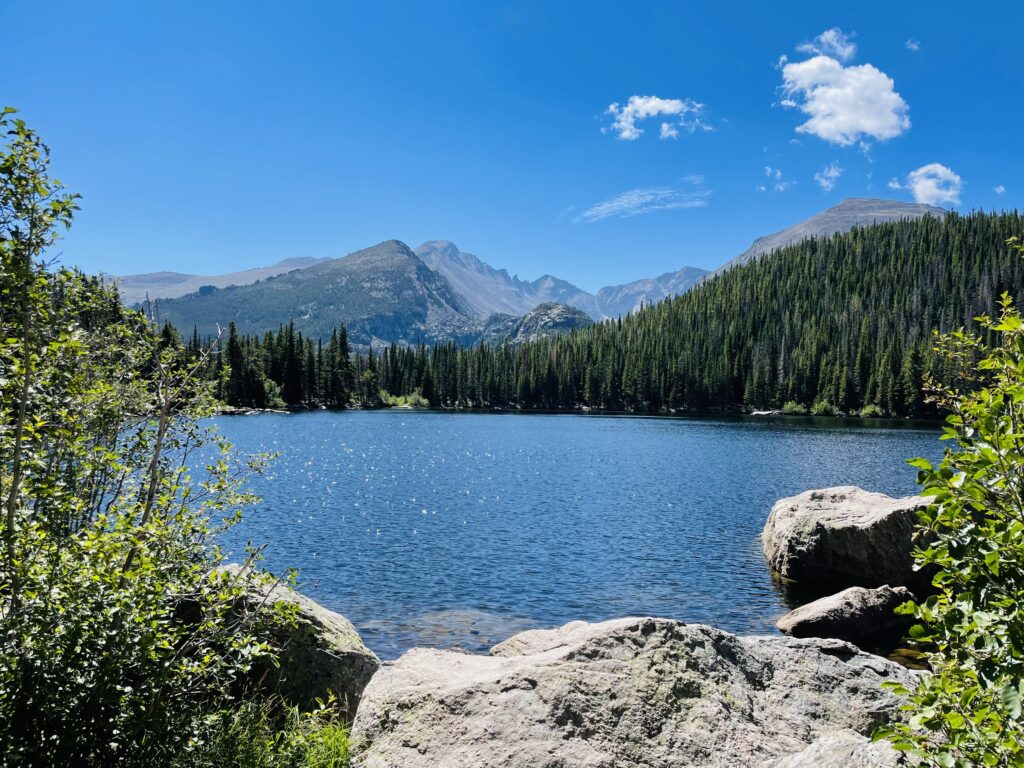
{"x": 838, "y": 324}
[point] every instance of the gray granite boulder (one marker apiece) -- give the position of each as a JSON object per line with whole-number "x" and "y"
{"x": 864, "y": 617}
{"x": 843, "y": 749}
{"x": 322, "y": 653}
{"x": 843, "y": 537}
{"x": 626, "y": 693}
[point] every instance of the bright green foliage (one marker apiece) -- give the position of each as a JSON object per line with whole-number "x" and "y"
{"x": 118, "y": 641}
{"x": 263, "y": 734}
{"x": 967, "y": 710}
{"x": 413, "y": 400}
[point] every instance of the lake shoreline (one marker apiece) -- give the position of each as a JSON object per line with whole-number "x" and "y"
{"x": 762, "y": 416}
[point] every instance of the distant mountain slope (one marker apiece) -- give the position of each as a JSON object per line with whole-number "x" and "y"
{"x": 850, "y": 213}
{"x": 381, "y": 294}
{"x": 165, "y": 285}
{"x": 486, "y": 290}
{"x": 493, "y": 291}
{"x": 618, "y": 300}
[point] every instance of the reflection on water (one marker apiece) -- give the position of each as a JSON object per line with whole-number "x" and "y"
{"x": 459, "y": 530}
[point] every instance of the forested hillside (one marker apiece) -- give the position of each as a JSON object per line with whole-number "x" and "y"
{"x": 840, "y": 324}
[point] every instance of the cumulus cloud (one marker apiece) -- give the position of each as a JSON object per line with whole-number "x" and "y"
{"x": 933, "y": 184}
{"x": 999, "y": 189}
{"x": 832, "y": 42}
{"x": 913, "y": 45}
{"x": 844, "y": 105}
{"x": 645, "y": 200}
{"x": 689, "y": 116}
{"x": 828, "y": 176}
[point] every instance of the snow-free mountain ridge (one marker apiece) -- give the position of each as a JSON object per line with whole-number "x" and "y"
{"x": 390, "y": 293}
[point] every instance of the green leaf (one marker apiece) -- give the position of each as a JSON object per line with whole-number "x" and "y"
{"x": 1009, "y": 697}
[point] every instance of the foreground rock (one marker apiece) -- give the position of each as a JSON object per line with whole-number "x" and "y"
{"x": 842, "y": 537}
{"x": 629, "y": 693}
{"x": 323, "y": 652}
{"x": 864, "y": 617}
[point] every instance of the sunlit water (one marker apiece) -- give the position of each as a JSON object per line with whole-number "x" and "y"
{"x": 444, "y": 529}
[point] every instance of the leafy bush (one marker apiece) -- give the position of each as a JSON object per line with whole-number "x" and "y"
{"x": 413, "y": 400}
{"x": 793, "y": 408}
{"x": 265, "y": 734}
{"x": 118, "y": 640}
{"x": 824, "y": 408}
{"x": 871, "y": 412}
{"x": 967, "y": 710}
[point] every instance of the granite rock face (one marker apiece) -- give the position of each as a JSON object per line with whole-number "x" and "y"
{"x": 864, "y": 617}
{"x": 323, "y": 653}
{"x": 629, "y": 693}
{"x": 842, "y": 537}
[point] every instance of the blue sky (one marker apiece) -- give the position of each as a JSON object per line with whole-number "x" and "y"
{"x": 209, "y": 137}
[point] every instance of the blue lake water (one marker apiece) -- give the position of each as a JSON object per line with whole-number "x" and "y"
{"x": 445, "y": 529}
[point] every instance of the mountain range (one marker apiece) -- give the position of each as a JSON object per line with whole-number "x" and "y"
{"x": 436, "y": 292}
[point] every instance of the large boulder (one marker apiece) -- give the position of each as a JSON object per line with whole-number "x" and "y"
{"x": 843, "y": 537}
{"x": 322, "y": 652}
{"x": 864, "y": 617}
{"x": 625, "y": 693}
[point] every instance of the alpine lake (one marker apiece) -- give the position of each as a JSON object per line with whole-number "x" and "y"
{"x": 460, "y": 529}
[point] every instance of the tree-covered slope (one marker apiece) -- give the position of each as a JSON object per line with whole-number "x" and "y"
{"x": 381, "y": 294}
{"x": 842, "y": 323}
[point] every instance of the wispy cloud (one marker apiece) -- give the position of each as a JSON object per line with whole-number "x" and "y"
{"x": 845, "y": 105}
{"x": 832, "y": 42}
{"x": 828, "y": 176}
{"x": 913, "y": 45}
{"x": 647, "y": 200}
{"x": 999, "y": 189}
{"x": 934, "y": 183}
{"x": 689, "y": 116}
{"x": 775, "y": 182}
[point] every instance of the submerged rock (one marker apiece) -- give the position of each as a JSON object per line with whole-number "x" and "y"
{"x": 864, "y": 617}
{"x": 323, "y": 653}
{"x": 626, "y": 693}
{"x": 843, "y": 537}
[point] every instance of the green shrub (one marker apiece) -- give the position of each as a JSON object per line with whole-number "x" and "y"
{"x": 824, "y": 408}
{"x": 967, "y": 710}
{"x": 793, "y": 408}
{"x": 412, "y": 400}
{"x": 267, "y": 734}
{"x": 872, "y": 412}
{"x": 118, "y": 640}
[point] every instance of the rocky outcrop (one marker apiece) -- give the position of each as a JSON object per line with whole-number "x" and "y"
{"x": 864, "y": 617}
{"x": 842, "y": 537}
{"x": 322, "y": 653}
{"x": 628, "y": 693}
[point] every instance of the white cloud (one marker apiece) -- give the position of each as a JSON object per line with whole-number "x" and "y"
{"x": 832, "y": 42}
{"x": 844, "y": 104}
{"x": 913, "y": 45}
{"x": 645, "y": 200}
{"x": 933, "y": 184}
{"x": 999, "y": 189}
{"x": 777, "y": 183}
{"x": 828, "y": 176}
{"x": 669, "y": 131}
{"x": 689, "y": 116}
